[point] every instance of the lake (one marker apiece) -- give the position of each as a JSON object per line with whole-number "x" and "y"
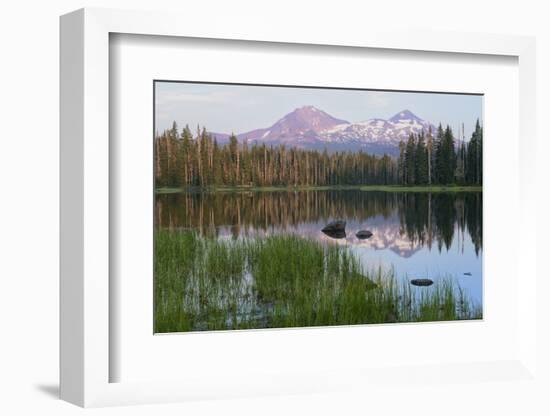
{"x": 419, "y": 235}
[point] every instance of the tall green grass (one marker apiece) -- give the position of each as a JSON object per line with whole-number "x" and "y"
{"x": 284, "y": 281}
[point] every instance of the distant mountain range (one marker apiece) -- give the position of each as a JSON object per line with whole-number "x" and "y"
{"x": 311, "y": 128}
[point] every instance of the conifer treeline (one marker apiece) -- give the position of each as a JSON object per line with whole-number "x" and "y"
{"x": 427, "y": 160}
{"x": 184, "y": 160}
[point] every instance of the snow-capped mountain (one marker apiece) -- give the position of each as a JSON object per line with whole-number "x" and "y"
{"x": 378, "y": 132}
{"x": 303, "y": 125}
{"x": 310, "y": 128}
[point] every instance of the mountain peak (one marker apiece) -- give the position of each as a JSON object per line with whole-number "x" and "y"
{"x": 305, "y": 118}
{"x": 404, "y": 115}
{"x": 302, "y": 124}
{"x": 309, "y": 111}
{"x": 309, "y": 127}
{"x": 307, "y": 108}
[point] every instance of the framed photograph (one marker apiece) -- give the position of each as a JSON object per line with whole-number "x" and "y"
{"x": 315, "y": 220}
{"x": 274, "y": 214}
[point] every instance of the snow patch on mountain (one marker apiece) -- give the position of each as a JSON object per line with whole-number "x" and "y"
{"x": 311, "y": 128}
{"x": 376, "y": 130}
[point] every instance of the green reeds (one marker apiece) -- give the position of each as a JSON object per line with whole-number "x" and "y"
{"x": 284, "y": 281}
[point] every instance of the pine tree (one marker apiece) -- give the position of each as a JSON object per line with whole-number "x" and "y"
{"x": 234, "y": 155}
{"x": 217, "y": 164}
{"x": 439, "y": 156}
{"x": 172, "y": 155}
{"x": 474, "y": 162}
{"x": 429, "y": 149}
{"x": 421, "y": 165}
{"x": 185, "y": 156}
{"x": 410, "y": 160}
{"x": 447, "y": 158}
{"x": 198, "y": 157}
{"x": 460, "y": 157}
{"x": 401, "y": 167}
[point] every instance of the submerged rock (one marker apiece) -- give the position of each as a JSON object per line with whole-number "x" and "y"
{"x": 422, "y": 282}
{"x": 334, "y": 226}
{"x": 335, "y": 234}
{"x": 363, "y": 234}
{"x": 467, "y": 274}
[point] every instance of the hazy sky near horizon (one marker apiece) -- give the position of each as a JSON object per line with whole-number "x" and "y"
{"x": 240, "y": 108}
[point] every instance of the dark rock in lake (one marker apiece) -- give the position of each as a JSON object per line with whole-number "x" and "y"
{"x": 422, "y": 282}
{"x": 334, "y": 226}
{"x": 335, "y": 234}
{"x": 363, "y": 234}
{"x": 467, "y": 274}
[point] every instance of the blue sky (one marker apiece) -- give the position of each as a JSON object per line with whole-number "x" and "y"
{"x": 238, "y": 108}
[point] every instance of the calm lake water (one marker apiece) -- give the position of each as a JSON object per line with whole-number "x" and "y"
{"x": 420, "y": 235}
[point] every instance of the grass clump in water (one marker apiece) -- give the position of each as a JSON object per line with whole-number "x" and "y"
{"x": 284, "y": 281}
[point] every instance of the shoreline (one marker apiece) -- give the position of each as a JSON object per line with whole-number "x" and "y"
{"x": 364, "y": 188}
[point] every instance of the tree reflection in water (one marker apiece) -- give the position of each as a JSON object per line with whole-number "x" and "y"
{"x": 424, "y": 219}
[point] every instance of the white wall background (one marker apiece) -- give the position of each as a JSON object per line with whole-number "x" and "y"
{"x": 29, "y": 206}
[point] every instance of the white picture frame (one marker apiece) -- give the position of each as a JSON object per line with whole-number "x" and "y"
{"x": 85, "y": 211}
